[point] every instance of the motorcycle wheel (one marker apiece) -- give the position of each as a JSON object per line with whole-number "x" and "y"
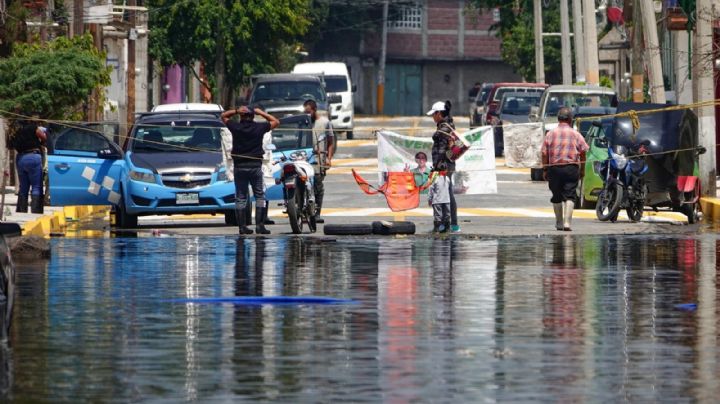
{"x": 635, "y": 211}
{"x": 636, "y": 205}
{"x": 310, "y": 213}
{"x": 608, "y": 203}
{"x": 293, "y": 212}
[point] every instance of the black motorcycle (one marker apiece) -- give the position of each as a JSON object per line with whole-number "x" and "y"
{"x": 623, "y": 183}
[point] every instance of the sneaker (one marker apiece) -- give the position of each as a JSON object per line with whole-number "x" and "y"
{"x": 455, "y": 228}
{"x": 442, "y": 229}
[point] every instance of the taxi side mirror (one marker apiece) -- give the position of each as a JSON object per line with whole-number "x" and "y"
{"x": 109, "y": 154}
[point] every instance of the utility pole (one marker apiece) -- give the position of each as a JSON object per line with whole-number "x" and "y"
{"x": 657, "y": 85}
{"x": 703, "y": 62}
{"x": 130, "y": 88}
{"x": 579, "y": 40}
{"x": 592, "y": 76}
{"x": 383, "y": 55}
{"x": 78, "y": 17}
{"x": 638, "y": 74}
{"x": 566, "y": 55}
{"x": 539, "y": 51}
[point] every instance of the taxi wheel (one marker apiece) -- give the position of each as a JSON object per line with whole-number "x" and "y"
{"x": 124, "y": 220}
{"x": 230, "y": 218}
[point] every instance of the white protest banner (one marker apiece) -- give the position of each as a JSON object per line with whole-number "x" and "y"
{"x": 523, "y": 143}
{"x": 474, "y": 171}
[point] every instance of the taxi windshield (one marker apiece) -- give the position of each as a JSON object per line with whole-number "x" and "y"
{"x": 173, "y": 137}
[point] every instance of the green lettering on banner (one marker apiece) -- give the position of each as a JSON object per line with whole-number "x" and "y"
{"x": 476, "y": 157}
{"x": 409, "y": 143}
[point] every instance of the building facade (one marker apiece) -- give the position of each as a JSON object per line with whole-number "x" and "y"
{"x": 436, "y": 50}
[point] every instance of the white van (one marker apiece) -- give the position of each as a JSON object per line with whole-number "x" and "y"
{"x": 188, "y": 106}
{"x": 337, "y": 82}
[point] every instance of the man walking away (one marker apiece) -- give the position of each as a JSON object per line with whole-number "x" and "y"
{"x": 563, "y": 156}
{"x": 247, "y": 151}
{"x": 324, "y": 148}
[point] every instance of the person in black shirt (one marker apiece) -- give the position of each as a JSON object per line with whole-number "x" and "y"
{"x": 474, "y": 90}
{"x": 27, "y": 141}
{"x": 247, "y": 152}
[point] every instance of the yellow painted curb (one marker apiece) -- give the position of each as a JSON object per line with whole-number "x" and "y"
{"x": 57, "y": 222}
{"x": 710, "y": 208}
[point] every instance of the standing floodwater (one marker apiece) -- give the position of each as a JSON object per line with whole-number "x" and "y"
{"x": 561, "y": 319}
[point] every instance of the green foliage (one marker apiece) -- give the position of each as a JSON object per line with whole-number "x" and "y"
{"x": 240, "y": 37}
{"x": 14, "y": 28}
{"x": 518, "y": 40}
{"x": 606, "y": 81}
{"x": 51, "y": 79}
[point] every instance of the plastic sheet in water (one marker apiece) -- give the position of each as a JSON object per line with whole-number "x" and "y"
{"x": 262, "y": 300}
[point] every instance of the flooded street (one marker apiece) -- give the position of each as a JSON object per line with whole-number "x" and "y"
{"x": 431, "y": 320}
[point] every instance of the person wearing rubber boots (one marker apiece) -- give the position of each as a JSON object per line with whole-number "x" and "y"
{"x": 247, "y": 152}
{"x": 563, "y": 159}
{"x": 28, "y": 141}
{"x": 324, "y": 148}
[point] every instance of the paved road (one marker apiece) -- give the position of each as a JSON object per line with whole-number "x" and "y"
{"x": 520, "y": 207}
{"x": 406, "y": 125}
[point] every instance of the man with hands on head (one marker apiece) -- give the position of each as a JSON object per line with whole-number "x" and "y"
{"x": 247, "y": 152}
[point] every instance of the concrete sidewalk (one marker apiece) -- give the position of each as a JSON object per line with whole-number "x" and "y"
{"x": 8, "y": 213}
{"x": 52, "y": 221}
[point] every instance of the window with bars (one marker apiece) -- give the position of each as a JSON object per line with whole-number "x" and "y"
{"x": 406, "y": 17}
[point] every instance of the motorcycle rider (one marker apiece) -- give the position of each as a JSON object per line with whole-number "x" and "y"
{"x": 563, "y": 156}
{"x": 247, "y": 152}
{"x": 324, "y": 148}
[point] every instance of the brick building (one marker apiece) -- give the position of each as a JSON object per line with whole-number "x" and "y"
{"x": 436, "y": 50}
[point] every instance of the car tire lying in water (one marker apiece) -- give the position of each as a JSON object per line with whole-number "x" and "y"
{"x": 384, "y": 228}
{"x": 347, "y": 229}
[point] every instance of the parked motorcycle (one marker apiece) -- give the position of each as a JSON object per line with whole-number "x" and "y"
{"x": 297, "y": 177}
{"x": 623, "y": 183}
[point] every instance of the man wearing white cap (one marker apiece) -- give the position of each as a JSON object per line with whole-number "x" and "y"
{"x": 440, "y": 113}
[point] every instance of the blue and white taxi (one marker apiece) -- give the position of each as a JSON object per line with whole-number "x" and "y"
{"x": 170, "y": 163}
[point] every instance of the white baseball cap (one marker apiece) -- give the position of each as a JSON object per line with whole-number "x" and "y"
{"x": 437, "y": 107}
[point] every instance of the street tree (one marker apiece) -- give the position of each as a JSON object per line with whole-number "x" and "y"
{"x": 12, "y": 26}
{"x": 515, "y": 29}
{"x": 53, "y": 80}
{"x": 233, "y": 39}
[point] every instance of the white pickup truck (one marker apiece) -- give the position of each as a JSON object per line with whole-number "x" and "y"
{"x": 556, "y": 97}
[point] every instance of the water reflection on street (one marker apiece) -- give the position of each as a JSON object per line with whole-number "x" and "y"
{"x": 556, "y": 318}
